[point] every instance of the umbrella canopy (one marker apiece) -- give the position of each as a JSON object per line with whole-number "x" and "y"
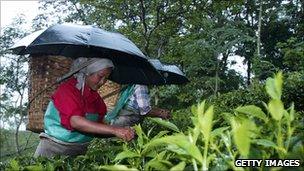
{"x": 171, "y": 73}
{"x": 71, "y": 40}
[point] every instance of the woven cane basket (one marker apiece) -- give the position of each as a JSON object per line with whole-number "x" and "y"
{"x": 44, "y": 71}
{"x": 110, "y": 93}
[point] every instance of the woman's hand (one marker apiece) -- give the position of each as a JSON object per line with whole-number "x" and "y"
{"x": 83, "y": 125}
{"x": 164, "y": 114}
{"x": 160, "y": 113}
{"x": 125, "y": 133}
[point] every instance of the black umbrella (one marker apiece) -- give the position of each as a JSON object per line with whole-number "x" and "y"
{"x": 71, "y": 40}
{"x": 171, "y": 73}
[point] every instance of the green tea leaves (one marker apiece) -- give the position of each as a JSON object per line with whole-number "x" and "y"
{"x": 126, "y": 154}
{"x": 165, "y": 124}
{"x": 178, "y": 167}
{"x": 179, "y": 140}
{"x": 265, "y": 143}
{"x": 241, "y": 129}
{"x": 276, "y": 109}
{"x": 274, "y": 86}
{"x": 117, "y": 167}
{"x": 252, "y": 110}
{"x": 205, "y": 121}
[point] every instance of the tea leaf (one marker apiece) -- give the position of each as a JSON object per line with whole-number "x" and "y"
{"x": 196, "y": 132}
{"x": 176, "y": 149}
{"x": 179, "y": 140}
{"x": 165, "y": 123}
{"x": 140, "y": 135}
{"x": 292, "y": 112}
{"x": 276, "y": 109}
{"x": 226, "y": 139}
{"x": 157, "y": 164}
{"x": 179, "y": 166}
{"x": 160, "y": 134}
{"x": 201, "y": 107}
{"x": 241, "y": 130}
{"x": 117, "y": 167}
{"x": 14, "y": 165}
{"x": 150, "y": 146}
{"x": 34, "y": 167}
{"x": 194, "y": 110}
{"x": 126, "y": 154}
{"x": 265, "y": 143}
{"x": 274, "y": 86}
{"x": 252, "y": 110}
{"x": 219, "y": 131}
{"x": 205, "y": 121}
{"x": 49, "y": 167}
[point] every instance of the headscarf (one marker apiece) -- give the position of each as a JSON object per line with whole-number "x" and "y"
{"x": 93, "y": 65}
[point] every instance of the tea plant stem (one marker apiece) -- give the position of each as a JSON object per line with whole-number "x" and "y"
{"x": 289, "y": 132}
{"x": 143, "y": 162}
{"x": 205, "y": 166}
{"x": 223, "y": 157}
{"x": 194, "y": 164}
{"x": 280, "y": 139}
{"x": 193, "y": 160}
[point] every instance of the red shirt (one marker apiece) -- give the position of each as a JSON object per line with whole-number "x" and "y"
{"x": 69, "y": 101}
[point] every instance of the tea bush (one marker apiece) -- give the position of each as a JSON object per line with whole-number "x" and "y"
{"x": 256, "y": 94}
{"x": 270, "y": 130}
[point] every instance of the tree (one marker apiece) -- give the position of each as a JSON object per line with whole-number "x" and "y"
{"x": 13, "y": 78}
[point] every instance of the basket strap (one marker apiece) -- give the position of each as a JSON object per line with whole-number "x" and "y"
{"x": 59, "y": 80}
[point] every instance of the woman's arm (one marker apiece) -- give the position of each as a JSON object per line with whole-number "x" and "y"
{"x": 82, "y": 124}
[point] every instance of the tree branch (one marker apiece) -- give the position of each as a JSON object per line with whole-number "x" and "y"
{"x": 80, "y": 12}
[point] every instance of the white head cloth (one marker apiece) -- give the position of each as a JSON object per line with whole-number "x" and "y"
{"x": 94, "y": 65}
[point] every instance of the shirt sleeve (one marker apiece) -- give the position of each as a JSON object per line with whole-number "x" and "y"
{"x": 143, "y": 99}
{"x": 69, "y": 103}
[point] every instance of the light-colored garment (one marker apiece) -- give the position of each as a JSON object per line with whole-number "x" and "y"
{"x": 50, "y": 146}
{"x": 140, "y": 100}
{"x": 137, "y": 106}
{"x": 93, "y": 65}
{"x": 127, "y": 118}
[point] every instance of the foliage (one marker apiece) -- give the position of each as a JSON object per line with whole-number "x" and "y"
{"x": 13, "y": 80}
{"x": 251, "y": 132}
{"x": 293, "y": 54}
{"x": 255, "y": 95}
{"x": 28, "y": 142}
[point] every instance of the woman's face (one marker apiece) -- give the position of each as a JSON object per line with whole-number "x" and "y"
{"x": 97, "y": 79}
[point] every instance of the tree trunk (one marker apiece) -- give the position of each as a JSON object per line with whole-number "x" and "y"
{"x": 17, "y": 135}
{"x": 259, "y": 31}
{"x": 248, "y": 71}
{"x": 216, "y": 87}
{"x": 19, "y": 124}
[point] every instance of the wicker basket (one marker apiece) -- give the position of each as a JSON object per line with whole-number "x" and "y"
{"x": 44, "y": 71}
{"x": 110, "y": 93}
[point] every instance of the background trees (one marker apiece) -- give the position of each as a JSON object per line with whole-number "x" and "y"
{"x": 200, "y": 36}
{"x": 13, "y": 80}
